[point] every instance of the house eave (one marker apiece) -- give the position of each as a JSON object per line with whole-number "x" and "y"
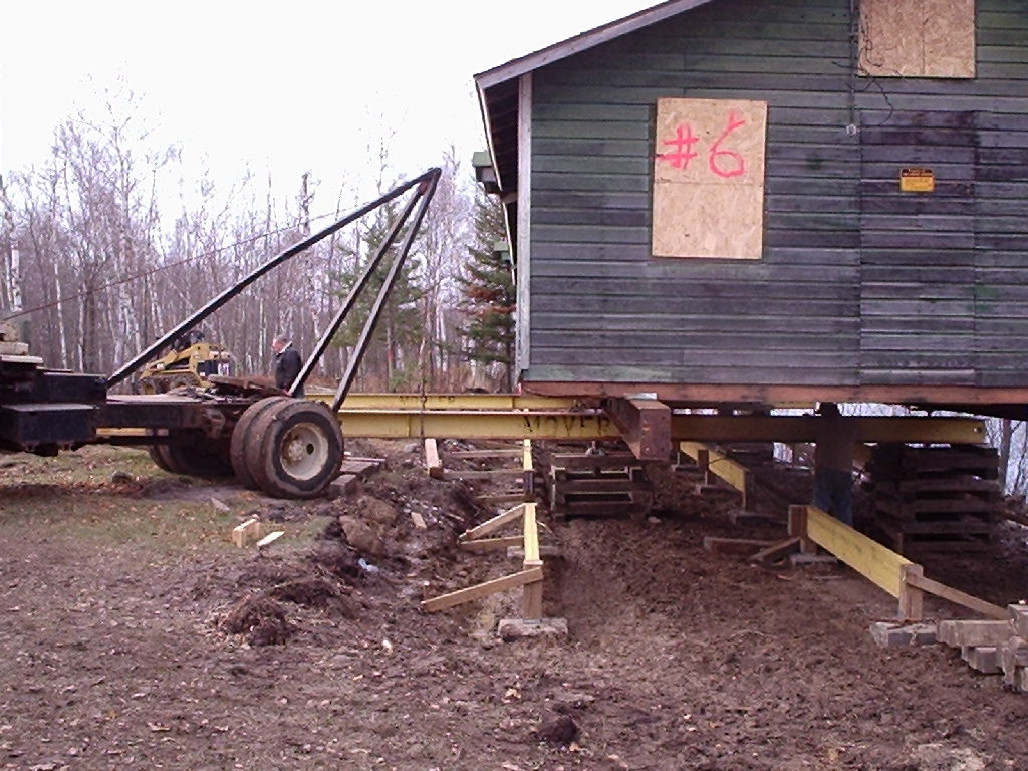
{"x": 582, "y": 42}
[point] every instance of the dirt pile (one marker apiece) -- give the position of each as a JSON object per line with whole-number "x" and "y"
{"x": 137, "y": 636}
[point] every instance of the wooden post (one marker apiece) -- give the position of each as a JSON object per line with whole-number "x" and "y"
{"x": 911, "y": 598}
{"x": 527, "y": 471}
{"x": 798, "y": 528}
{"x": 433, "y": 462}
{"x": 703, "y": 463}
{"x": 747, "y": 492}
{"x": 532, "y": 600}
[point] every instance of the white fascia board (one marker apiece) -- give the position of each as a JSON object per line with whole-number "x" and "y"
{"x": 581, "y": 42}
{"x": 524, "y": 245}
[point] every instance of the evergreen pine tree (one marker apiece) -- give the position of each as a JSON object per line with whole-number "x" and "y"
{"x": 398, "y": 330}
{"x": 488, "y": 293}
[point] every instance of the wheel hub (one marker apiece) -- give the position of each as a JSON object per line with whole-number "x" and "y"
{"x": 304, "y": 451}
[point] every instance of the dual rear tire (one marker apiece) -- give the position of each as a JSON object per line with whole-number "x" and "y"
{"x": 192, "y": 453}
{"x": 287, "y": 448}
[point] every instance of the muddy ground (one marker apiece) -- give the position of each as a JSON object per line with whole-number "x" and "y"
{"x": 135, "y": 635}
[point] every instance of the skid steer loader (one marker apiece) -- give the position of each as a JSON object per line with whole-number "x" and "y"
{"x": 189, "y": 363}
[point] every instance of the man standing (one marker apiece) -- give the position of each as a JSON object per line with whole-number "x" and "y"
{"x": 287, "y": 364}
{"x": 833, "y": 463}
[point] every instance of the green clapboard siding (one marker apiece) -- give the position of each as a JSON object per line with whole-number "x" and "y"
{"x": 859, "y": 283}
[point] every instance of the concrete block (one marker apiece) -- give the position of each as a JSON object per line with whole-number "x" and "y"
{"x": 511, "y": 629}
{"x": 1013, "y": 655}
{"x": 983, "y": 659}
{"x": 973, "y": 633}
{"x": 1016, "y": 679}
{"x": 343, "y": 486}
{"x": 1019, "y": 618}
{"x": 893, "y": 634}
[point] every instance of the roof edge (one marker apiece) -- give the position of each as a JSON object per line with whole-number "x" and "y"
{"x": 583, "y": 41}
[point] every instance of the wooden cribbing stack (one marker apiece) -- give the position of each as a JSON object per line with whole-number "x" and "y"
{"x": 937, "y": 497}
{"x": 598, "y": 485}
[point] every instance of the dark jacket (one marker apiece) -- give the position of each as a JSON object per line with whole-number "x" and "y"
{"x": 287, "y": 367}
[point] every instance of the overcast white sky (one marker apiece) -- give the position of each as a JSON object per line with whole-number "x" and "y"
{"x": 279, "y": 87}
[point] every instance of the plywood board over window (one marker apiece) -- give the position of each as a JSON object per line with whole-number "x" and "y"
{"x": 708, "y": 181}
{"x": 917, "y": 38}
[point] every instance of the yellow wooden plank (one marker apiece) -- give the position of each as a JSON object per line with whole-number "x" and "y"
{"x": 531, "y": 534}
{"x": 532, "y": 599}
{"x": 731, "y": 472}
{"x": 246, "y": 532}
{"x": 489, "y": 544}
{"x": 496, "y": 522}
{"x": 960, "y": 598}
{"x": 527, "y": 464}
{"x": 433, "y": 462}
{"x": 879, "y": 565}
{"x": 483, "y": 589}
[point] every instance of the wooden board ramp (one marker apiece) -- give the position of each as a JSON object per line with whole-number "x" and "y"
{"x": 601, "y": 484}
{"x": 811, "y": 529}
{"x": 716, "y": 465}
{"x": 935, "y": 498}
{"x": 995, "y": 644}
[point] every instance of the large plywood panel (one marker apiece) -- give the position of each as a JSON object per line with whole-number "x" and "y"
{"x": 950, "y": 39}
{"x": 708, "y": 190}
{"x": 918, "y": 38}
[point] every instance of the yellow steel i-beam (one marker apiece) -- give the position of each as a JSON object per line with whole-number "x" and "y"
{"x": 506, "y": 416}
{"x": 401, "y": 424}
{"x": 432, "y": 402}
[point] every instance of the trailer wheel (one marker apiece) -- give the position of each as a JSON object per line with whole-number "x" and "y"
{"x": 162, "y": 459}
{"x": 195, "y": 454}
{"x": 294, "y": 449}
{"x": 242, "y": 436}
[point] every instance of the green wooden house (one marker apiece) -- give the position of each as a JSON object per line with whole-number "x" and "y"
{"x": 738, "y": 201}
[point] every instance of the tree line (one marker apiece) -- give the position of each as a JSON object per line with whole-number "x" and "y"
{"x": 96, "y": 265}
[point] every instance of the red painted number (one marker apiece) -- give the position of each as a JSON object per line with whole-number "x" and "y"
{"x": 723, "y": 163}
{"x": 735, "y": 163}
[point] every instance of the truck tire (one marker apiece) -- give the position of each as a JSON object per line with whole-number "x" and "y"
{"x": 197, "y": 455}
{"x": 162, "y": 459}
{"x": 242, "y": 436}
{"x": 294, "y": 449}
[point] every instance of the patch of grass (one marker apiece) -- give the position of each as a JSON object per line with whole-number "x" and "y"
{"x": 117, "y": 496}
{"x": 94, "y": 464}
{"x": 73, "y": 495}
